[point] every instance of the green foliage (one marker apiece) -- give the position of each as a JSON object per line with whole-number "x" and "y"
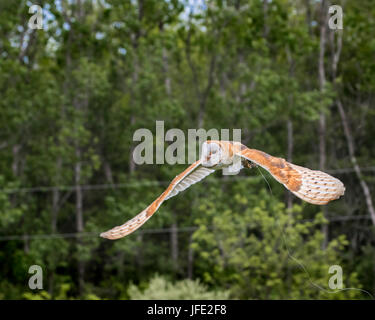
{"x": 73, "y": 94}
{"x": 261, "y": 250}
{"x": 62, "y": 295}
{"x": 159, "y": 288}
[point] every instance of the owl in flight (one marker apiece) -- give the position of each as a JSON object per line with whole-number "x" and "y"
{"x": 313, "y": 186}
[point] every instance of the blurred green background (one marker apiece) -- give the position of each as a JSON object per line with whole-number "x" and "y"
{"x": 74, "y": 92}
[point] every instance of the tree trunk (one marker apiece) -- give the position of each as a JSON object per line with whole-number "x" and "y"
{"x": 167, "y": 79}
{"x": 132, "y": 117}
{"x": 108, "y": 172}
{"x": 308, "y": 16}
{"x": 266, "y": 28}
{"x": 347, "y": 131}
{"x": 55, "y": 212}
{"x": 78, "y": 188}
{"x": 16, "y": 159}
{"x": 135, "y": 75}
{"x": 289, "y": 125}
{"x": 202, "y": 95}
{"x": 357, "y": 168}
{"x": 139, "y": 255}
{"x": 50, "y": 283}
{"x": 174, "y": 226}
{"x": 190, "y": 258}
{"x": 56, "y": 197}
{"x": 79, "y": 215}
{"x": 55, "y": 208}
{"x": 289, "y": 158}
{"x": 353, "y": 159}
{"x": 174, "y": 242}
{"x": 322, "y": 117}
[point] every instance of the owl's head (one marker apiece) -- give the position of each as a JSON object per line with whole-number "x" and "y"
{"x": 212, "y": 154}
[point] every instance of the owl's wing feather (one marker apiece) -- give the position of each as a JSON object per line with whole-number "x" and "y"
{"x": 193, "y": 174}
{"x": 318, "y": 187}
{"x": 313, "y": 186}
{"x": 197, "y": 175}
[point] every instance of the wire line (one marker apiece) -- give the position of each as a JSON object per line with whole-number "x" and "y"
{"x": 145, "y": 231}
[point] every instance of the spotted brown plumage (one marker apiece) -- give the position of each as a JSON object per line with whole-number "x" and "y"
{"x": 313, "y": 186}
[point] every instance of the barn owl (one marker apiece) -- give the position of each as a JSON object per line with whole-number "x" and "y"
{"x": 313, "y": 186}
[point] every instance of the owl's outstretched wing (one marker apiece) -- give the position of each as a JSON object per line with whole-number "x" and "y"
{"x": 313, "y": 186}
{"x": 193, "y": 174}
